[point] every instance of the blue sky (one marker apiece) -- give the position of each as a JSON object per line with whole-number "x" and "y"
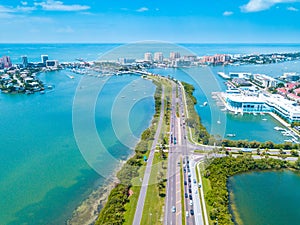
{"x": 120, "y": 21}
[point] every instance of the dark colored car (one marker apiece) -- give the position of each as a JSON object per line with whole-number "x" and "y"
{"x": 190, "y": 190}
{"x": 192, "y": 212}
{"x": 186, "y": 195}
{"x": 185, "y": 183}
{"x": 191, "y": 198}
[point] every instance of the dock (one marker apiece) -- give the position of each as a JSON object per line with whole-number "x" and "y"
{"x": 223, "y": 75}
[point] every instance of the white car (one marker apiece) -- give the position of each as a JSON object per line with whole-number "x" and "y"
{"x": 173, "y": 209}
{"x": 191, "y": 202}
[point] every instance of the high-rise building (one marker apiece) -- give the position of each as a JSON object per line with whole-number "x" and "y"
{"x": 158, "y": 57}
{"x": 6, "y": 61}
{"x": 174, "y": 55}
{"x": 44, "y": 58}
{"x": 25, "y": 61}
{"x": 148, "y": 57}
{"x": 1, "y": 63}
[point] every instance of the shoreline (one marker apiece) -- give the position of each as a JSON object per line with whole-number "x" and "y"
{"x": 87, "y": 211}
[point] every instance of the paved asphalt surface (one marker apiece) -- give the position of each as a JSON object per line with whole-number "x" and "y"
{"x": 181, "y": 149}
{"x": 141, "y": 201}
{"x": 173, "y": 194}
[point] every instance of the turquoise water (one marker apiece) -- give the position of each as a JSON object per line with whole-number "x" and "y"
{"x": 264, "y": 198}
{"x": 246, "y": 127}
{"x": 43, "y": 171}
{"x": 43, "y": 175}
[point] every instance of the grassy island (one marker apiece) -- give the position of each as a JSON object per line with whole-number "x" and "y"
{"x": 216, "y": 176}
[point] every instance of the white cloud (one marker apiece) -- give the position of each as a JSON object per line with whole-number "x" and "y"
{"x": 67, "y": 29}
{"x": 143, "y": 9}
{"x": 51, "y": 5}
{"x": 4, "y": 9}
{"x": 292, "y": 9}
{"x": 227, "y": 13}
{"x": 261, "y": 5}
{"x": 25, "y": 9}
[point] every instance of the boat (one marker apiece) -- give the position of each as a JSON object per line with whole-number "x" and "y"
{"x": 218, "y": 122}
{"x": 205, "y": 103}
{"x": 264, "y": 119}
{"x": 278, "y": 128}
{"x": 254, "y": 114}
{"x": 230, "y": 135}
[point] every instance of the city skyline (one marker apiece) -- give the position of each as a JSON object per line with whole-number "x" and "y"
{"x": 69, "y": 21}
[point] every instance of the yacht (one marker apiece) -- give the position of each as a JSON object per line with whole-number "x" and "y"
{"x": 205, "y": 103}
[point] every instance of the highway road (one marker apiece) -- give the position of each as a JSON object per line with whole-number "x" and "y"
{"x": 173, "y": 194}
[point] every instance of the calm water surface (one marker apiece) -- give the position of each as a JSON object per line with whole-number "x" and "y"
{"x": 267, "y": 198}
{"x": 43, "y": 175}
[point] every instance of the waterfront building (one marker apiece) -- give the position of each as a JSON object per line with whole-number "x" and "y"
{"x": 174, "y": 55}
{"x": 125, "y": 61}
{"x": 25, "y": 61}
{"x": 216, "y": 59}
{"x": 52, "y": 64}
{"x": 6, "y": 62}
{"x": 262, "y": 103}
{"x": 148, "y": 57}
{"x": 265, "y": 81}
{"x": 158, "y": 57}
{"x": 240, "y": 75}
{"x": 44, "y": 58}
{"x": 240, "y": 103}
{"x": 290, "y": 77}
{"x": 192, "y": 58}
{"x": 181, "y": 63}
{"x": 1, "y": 64}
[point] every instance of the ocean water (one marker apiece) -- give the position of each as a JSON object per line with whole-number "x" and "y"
{"x": 56, "y": 147}
{"x": 44, "y": 173}
{"x": 263, "y": 198}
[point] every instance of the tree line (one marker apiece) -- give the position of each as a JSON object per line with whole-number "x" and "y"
{"x": 218, "y": 172}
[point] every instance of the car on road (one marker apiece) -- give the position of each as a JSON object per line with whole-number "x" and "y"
{"x": 185, "y": 183}
{"x": 191, "y": 202}
{"x": 189, "y": 179}
{"x": 190, "y": 190}
{"x": 199, "y": 185}
{"x": 173, "y": 209}
{"x": 192, "y": 212}
{"x": 190, "y": 197}
{"x": 186, "y": 195}
{"x": 184, "y": 169}
{"x": 195, "y": 181}
{"x": 187, "y": 213}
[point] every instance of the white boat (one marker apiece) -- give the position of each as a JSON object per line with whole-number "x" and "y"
{"x": 279, "y": 128}
{"x": 218, "y": 122}
{"x": 230, "y": 135}
{"x": 264, "y": 119}
{"x": 205, "y": 103}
